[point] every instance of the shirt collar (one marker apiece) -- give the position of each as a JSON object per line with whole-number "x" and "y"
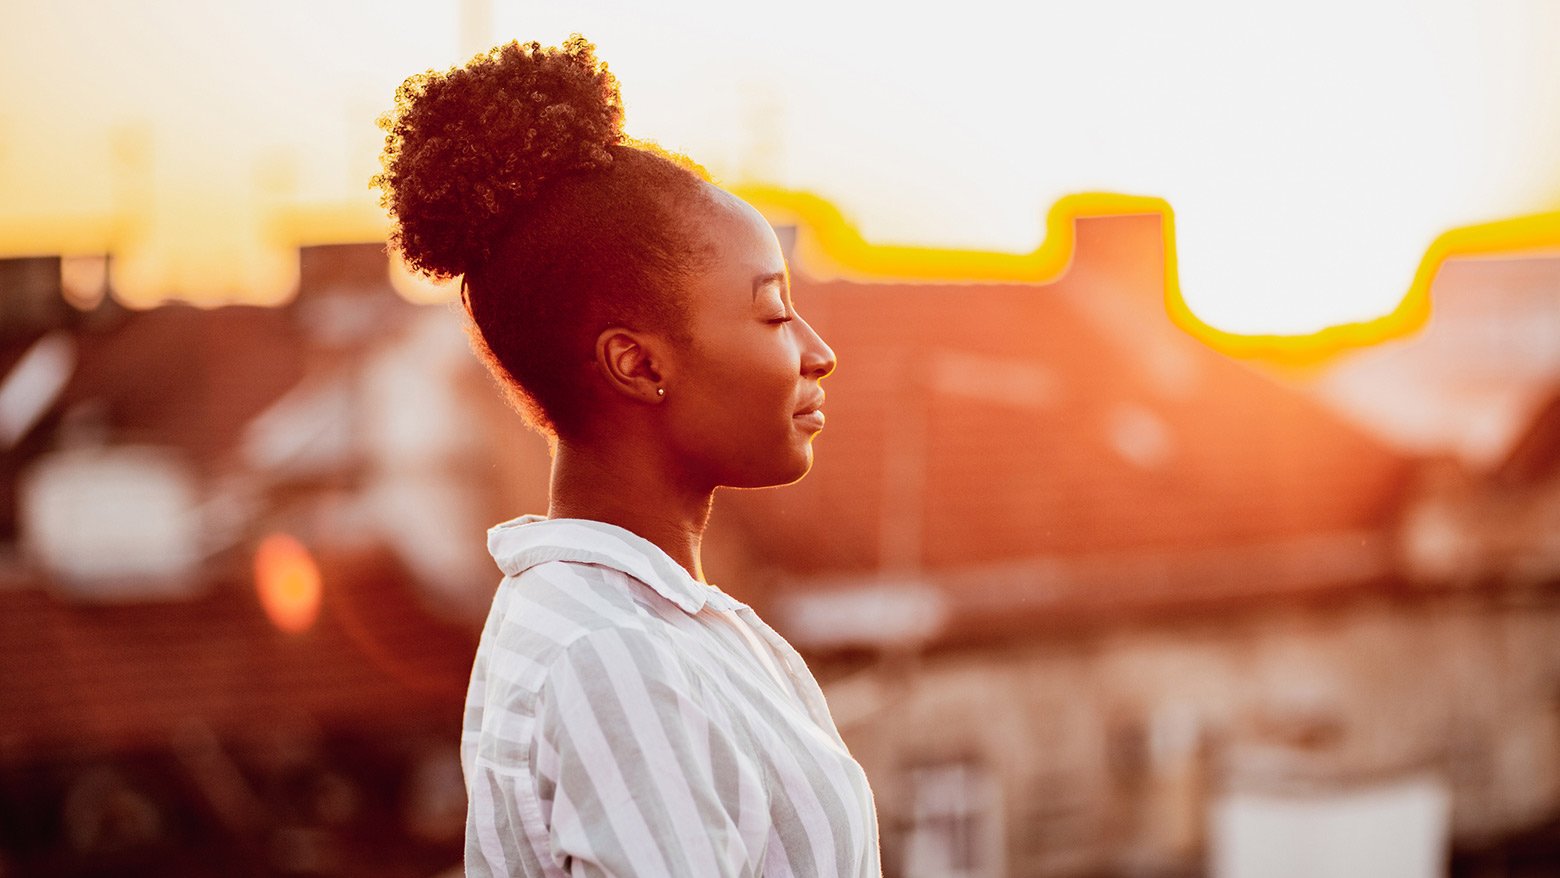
{"x": 528, "y": 540}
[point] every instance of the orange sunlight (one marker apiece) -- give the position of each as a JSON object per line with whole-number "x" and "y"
{"x": 1313, "y": 199}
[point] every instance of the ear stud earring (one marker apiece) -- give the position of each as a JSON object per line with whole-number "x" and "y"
{"x": 660, "y": 391}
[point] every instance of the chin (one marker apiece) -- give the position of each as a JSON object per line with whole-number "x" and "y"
{"x": 796, "y": 465}
{"x": 802, "y": 469}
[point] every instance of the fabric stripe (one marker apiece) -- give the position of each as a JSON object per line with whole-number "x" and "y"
{"x": 807, "y": 798}
{"x": 690, "y": 824}
{"x": 626, "y": 719}
{"x": 611, "y": 826}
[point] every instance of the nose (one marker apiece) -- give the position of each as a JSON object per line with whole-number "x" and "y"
{"x": 817, "y": 357}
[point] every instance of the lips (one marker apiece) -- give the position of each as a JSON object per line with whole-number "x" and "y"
{"x": 810, "y": 415}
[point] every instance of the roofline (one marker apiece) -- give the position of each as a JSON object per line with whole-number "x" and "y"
{"x": 832, "y": 246}
{"x": 928, "y": 605}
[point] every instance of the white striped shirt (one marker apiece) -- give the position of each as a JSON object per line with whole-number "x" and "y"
{"x": 626, "y": 719}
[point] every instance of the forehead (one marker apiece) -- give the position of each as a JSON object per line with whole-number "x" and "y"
{"x": 743, "y": 253}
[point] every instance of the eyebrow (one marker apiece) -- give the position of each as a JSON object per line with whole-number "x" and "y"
{"x": 773, "y": 277}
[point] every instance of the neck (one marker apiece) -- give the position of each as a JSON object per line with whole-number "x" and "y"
{"x": 634, "y": 489}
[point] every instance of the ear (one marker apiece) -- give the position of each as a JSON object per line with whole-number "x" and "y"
{"x": 632, "y": 363}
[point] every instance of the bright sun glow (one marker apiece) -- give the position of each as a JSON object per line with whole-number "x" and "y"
{"x": 1311, "y": 154}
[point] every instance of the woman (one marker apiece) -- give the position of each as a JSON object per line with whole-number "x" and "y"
{"x": 625, "y": 717}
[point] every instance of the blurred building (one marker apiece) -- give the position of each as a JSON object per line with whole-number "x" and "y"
{"x": 1087, "y": 597}
{"x": 168, "y": 697}
{"x": 1098, "y": 600}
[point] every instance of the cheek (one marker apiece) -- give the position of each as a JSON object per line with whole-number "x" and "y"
{"x": 754, "y": 393}
{"x": 744, "y": 395}
{"x": 754, "y": 362}
{"x": 735, "y": 425}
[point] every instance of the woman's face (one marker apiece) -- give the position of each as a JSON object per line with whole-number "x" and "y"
{"x": 743, "y": 407}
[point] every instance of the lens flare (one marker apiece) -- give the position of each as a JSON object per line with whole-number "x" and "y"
{"x": 288, "y": 582}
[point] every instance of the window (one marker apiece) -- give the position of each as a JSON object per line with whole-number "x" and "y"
{"x": 954, "y": 821}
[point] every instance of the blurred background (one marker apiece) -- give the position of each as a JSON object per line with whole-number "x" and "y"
{"x": 1189, "y": 504}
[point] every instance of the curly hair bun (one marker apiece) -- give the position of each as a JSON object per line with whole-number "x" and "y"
{"x": 467, "y": 148}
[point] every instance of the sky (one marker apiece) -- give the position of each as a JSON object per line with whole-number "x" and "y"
{"x": 1311, "y": 152}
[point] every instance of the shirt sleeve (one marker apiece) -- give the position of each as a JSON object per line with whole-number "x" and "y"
{"x": 644, "y": 779}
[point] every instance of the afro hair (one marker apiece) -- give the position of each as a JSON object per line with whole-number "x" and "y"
{"x": 465, "y": 149}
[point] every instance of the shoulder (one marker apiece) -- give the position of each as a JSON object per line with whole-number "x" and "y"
{"x": 562, "y": 608}
{"x": 618, "y": 659}
{"x": 584, "y": 597}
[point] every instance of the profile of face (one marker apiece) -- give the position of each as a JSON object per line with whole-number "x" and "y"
{"x": 742, "y": 402}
